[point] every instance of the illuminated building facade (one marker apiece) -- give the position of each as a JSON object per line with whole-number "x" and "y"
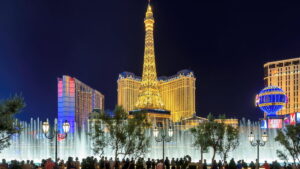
{"x": 175, "y": 94}
{"x": 233, "y": 122}
{"x": 76, "y": 101}
{"x": 285, "y": 74}
{"x": 178, "y": 94}
{"x": 196, "y": 121}
{"x": 128, "y": 90}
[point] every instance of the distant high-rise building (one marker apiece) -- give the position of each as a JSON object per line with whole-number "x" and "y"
{"x": 76, "y": 100}
{"x": 286, "y": 75}
{"x": 165, "y": 97}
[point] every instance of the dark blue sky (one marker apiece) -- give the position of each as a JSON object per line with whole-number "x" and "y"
{"x": 225, "y": 44}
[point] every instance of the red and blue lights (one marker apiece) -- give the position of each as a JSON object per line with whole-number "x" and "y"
{"x": 66, "y": 101}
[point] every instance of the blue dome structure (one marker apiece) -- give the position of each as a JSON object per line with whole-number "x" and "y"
{"x": 271, "y": 99}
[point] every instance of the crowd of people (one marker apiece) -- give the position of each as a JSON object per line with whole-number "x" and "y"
{"x": 140, "y": 163}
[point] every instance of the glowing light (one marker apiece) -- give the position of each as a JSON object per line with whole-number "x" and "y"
{"x": 286, "y": 120}
{"x": 46, "y": 127}
{"x": 60, "y": 88}
{"x": 275, "y": 123}
{"x": 292, "y": 118}
{"x": 155, "y": 132}
{"x": 66, "y": 126}
{"x": 264, "y": 137}
{"x": 251, "y": 137}
{"x": 263, "y": 124}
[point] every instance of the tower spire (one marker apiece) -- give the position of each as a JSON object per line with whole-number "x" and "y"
{"x": 149, "y": 96}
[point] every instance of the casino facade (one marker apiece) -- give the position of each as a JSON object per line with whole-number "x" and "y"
{"x": 286, "y": 75}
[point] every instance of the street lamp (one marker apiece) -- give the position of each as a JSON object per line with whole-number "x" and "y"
{"x": 164, "y": 135}
{"x": 258, "y": 143}
{"x": 55, "y": 134}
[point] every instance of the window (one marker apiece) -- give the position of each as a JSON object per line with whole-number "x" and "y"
{"x": 296, "y": 62}
{"x": 287, "y": 63}
{"x": 272, "y": 66}
{"x": 280, "y": 65}
{"x": 266, "y": 71}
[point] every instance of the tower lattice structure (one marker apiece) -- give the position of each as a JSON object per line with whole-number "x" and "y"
{"x": 149, "y": 96}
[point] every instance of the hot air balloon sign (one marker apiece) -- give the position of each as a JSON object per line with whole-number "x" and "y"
{"x": 271, "y": 100}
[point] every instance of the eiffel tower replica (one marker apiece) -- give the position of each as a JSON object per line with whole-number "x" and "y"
{"x": 149, "y": 99}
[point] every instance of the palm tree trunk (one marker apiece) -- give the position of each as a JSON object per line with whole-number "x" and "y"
{"x": 225, "y": 157}
{"x": 201, "y": 153}
{"x": 214, "y": 155}
{"x": 116, "y": 151}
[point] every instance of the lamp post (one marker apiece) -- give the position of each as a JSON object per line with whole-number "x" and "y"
{"x": 163, "y": 135}
{"x": 258, "y": 143}
{"x": 55, "y": 134}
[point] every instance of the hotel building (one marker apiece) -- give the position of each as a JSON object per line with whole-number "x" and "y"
{"x": 285, "y": 74}
{"x": 76, "y": 101}
{"x": 177, "y": 93}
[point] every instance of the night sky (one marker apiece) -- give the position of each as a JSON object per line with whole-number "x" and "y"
{"x": 225, "y": 44}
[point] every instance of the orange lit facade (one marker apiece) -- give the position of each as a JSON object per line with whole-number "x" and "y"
{"x": 232, "y": 122}
{"x": 285, "y": 74}
{"x": 196, "y": 121}
{"x": 128, "y": 90}
{"x": 177, "y": 93}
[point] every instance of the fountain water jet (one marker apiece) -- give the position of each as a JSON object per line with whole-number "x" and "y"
{"x": 31, "y": 144}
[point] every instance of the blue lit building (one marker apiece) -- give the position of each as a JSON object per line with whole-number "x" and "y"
{"x": 75, "y": 101}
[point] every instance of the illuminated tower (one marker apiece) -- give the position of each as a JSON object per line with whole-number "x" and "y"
{"x": 164, "y": 97}
{"x": 149, "y": 97}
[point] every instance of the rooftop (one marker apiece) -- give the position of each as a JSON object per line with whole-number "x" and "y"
{"x": 184, "y": 72}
